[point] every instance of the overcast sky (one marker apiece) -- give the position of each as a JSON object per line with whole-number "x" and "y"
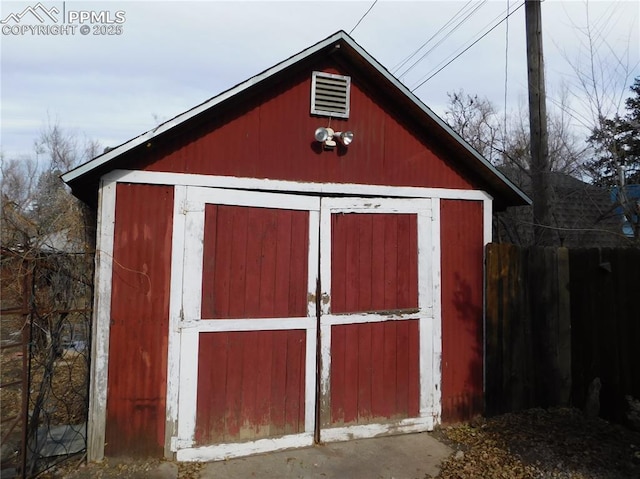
{"x": 169, "y": 56}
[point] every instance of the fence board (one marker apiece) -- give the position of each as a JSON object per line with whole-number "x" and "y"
{"x": 605, "y": 331}
{"x": 556, "y": 319}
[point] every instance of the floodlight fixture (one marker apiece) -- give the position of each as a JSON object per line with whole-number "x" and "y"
{"x": 345, "y": 137}
{"x": 323, "y": 134}
{"x": 328, "y": 137}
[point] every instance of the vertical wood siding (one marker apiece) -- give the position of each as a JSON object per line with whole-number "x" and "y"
{"x": 374, "y": 366}
{"x": 462, "y": 328}
{"x": 250, "y": 385}
{"x": 374, "y": 262}
{"x": 374, "y": 372}
{"x": 139, "y": 320}
{"x": 255, "y": 262}
{"x": 271, "y": 136}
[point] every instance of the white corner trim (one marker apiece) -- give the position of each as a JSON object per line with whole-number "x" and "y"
{"x": 101, "y": 321}
{"x": 175, "y": 315}
{"x": 487, "y": 216}
{"x": 488, "y": 237}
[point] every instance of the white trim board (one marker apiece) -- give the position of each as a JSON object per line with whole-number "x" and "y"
{"x": 261, "y": 184}
{"x": 220, "y": 452}
{"x": 191, "y": 323}
{"x": 430, "y": 336}
{"x": 101, "y": 320}
{"x": 219, "y": 186}
{"x": 363, "y": 431}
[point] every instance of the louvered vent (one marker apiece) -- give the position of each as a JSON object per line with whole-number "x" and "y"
{"x": 330, "y": 94}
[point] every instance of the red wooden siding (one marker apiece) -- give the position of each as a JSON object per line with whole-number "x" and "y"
{"x": 462, "y": 331}
{"x": 374, "y": 262}
{"x": 271, "y": 136}
{"x": 139, "y": 320}
{"x": 255, "y": 262}
{"x": 250, "y": 385}
{"x": 374, "y": 366}
{"x": 374, "y": 372}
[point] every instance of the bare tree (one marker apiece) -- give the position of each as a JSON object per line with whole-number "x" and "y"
{"x": 35, "y": 201}
{"x": 580, "y": 214}
{"x": 475, "y": 119}
{"x": 504, "y": 139}
{"x": 603, "y": 73}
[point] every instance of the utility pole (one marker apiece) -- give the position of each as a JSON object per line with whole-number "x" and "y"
{"x": 538, "y": 124}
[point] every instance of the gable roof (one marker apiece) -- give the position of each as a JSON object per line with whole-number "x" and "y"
{"x": 503, "y": 190}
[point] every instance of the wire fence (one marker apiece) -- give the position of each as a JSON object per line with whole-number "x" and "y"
{"x": 44, "y": 353}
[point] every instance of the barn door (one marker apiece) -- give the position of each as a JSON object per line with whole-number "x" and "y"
{"x": 378, "y": 336}
{"x": 252, "y": 264}
{"x": 247, "y": 374}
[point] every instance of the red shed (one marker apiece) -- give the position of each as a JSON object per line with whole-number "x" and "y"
{"x": 298, "y": 259}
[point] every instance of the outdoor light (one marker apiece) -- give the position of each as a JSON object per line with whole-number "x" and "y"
{"x": 346, "y": 137}
{"x": 328, "y": 137}
{"x": 324, "y": 135}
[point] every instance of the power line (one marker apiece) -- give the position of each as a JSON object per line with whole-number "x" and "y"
{"x": 430, "y": 76}
{"x": 460, "y": 23}
{"x": 362, "y": 17}
{"x": 404, "y": 62}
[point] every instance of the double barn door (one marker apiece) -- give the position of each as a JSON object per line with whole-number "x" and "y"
{"x": 303, "y": 318}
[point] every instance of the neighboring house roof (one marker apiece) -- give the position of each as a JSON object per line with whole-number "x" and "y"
{"x": 504, "y": 191}
{"x": 582, "y": 215}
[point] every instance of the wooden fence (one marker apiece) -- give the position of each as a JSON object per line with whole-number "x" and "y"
{"x": 557, "y": 319}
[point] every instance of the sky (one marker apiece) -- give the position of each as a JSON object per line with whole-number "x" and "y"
{"x": 143, "y": 62}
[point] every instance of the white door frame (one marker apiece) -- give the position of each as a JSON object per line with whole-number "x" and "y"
{"x": 187, "y": 263}
{"x": 428, "y": 314}
{"x": 187, "y": 268}
{"x": 181, "y": 181}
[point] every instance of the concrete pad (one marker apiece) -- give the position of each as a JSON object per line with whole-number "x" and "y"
{"x": 410, "y": 456}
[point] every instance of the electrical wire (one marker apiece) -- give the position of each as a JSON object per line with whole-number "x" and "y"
{"x": 407, "y": 59}
{"x": 430, "y": 75}
{"x": 462, "y": 21}
{"x": 362, "y": 17}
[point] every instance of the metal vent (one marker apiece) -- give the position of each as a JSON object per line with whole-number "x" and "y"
{"x": 330, "y": 94}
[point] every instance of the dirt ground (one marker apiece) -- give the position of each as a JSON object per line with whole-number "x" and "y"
{"x": 556, "y": 443}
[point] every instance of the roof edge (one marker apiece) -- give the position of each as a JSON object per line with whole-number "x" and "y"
{"x": 341, "y": 35}
{"x": 113, "y": 153}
